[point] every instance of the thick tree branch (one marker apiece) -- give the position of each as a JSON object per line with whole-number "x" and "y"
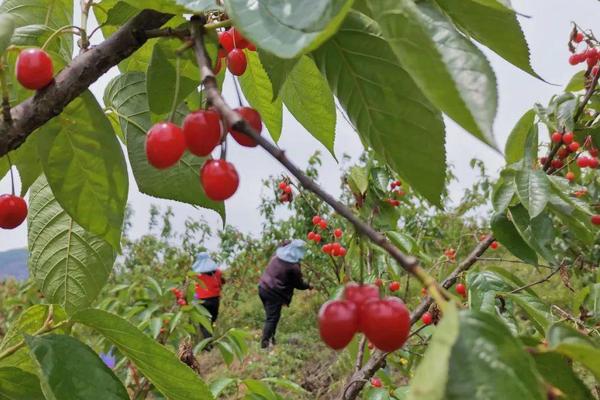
{"x": 75, "y": 79}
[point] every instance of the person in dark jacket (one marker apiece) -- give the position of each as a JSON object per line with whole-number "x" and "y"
{"x": 208, "y": 287}
{"x": 277, "y": 284}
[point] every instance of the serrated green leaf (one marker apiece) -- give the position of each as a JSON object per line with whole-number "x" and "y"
{"x": 285, "y": 28}
{"x": 515, "y": 144}
{"x": 506, "y": 233}
{"x": 504, "y": 191}
{"x": 483, "y": 283}
{"x": 28, "y": 322}
{"x": 85, "y": 167}
{"x": 307, "y": 96}
{"x": 481, "y": 20}
{"x": 533, "y": 188}
{"x": 538, "y": 312}
{"x": 577, "y": 82}
{"x": 70, "y": 369}
{"x": 537, "y": 232}
{"x": 431, "y": 376}
{"x": 358, "y": 179}
{"x": 258, "y": 90}
{"x": 7, "y": 28}
{"x": 567, "y": 341}
{"x": 487, "y": 362}
{"x": 564, "y": 107}
{"x": 169, "y": 375}
{"x": 278, "y": 69}
{"x": 69, "y": 264}
{"x": 16, "y": 384}
{"x": 126, "y": 96}
{"x": 556, "y": 371}
{"x": 405, "y": 129}
{"x": 452, "y": 72}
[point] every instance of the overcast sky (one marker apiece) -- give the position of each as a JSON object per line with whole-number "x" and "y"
{"x": 547, "y": 33}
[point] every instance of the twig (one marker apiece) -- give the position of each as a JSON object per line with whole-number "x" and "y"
{"x": 587, "y": 97}
{"x": 182, "y": 33}
{"x": 544, "y": 279}
{"x": 361, "y": 353}
{"x": 504, "y": 260}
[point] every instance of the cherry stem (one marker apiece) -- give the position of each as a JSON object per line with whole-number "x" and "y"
{"x": 217, "y": 25}
{"x": 12, "y": 177}
{"x": 177, "y": 84}
{"x": 362, "y": 261}
{"x": 237, "y": 91}
{"x": 60, "y": 31}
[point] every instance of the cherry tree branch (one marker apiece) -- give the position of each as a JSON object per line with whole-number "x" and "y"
{"x": 75, "y": 78}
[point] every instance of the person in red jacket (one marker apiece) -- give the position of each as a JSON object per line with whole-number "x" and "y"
{"x": 208, "y": 287}
{"x": 277, "y": 284}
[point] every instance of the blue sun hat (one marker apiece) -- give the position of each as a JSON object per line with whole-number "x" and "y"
{"x": 204, "y": 264}
{"x": 293, "y": 252}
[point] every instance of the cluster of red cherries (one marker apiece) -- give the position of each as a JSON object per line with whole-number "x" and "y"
{"x": 335, "y": 248}
{"x": 34, "y": 71}
{"x": 385, "y": 322}
{"x": 201, "y": 133}
{"x": 395, "y": 191}
{"x": 179, "y": 296}
{"x": 232, "y": 44}
{"x": 591, "y": 55}
{"x": 286, "y": 192}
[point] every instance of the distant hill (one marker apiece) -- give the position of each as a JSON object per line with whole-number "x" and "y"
{"x": 13, "y": 263}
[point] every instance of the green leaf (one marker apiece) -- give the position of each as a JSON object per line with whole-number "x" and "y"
{"x": 506, "y": 233}
{"x": 515, "y": 144}
{"x": 403, "y": 240}
{"x": 72, "y": 370}
{"x": 307, "y": 96}
{"x": 452, "y": 72}
{"x": 487, "y": 362}
{"x": 533, "y": 188}
{"x": 176, "y": 6}
{"x": 481, "y": 20}
{"x": 537, "y": 232}
{"x": 431, "y": 375}
{"x": 564, "y": 108}
{"x": 358, "y": 180}
{"x": 556, "y": 371}
{"x": 483, "y": 283}
{"x": 288, "y": 28}
{"x": 16, "y": 384}
{"x": 258, "y": 90}
{"x": 504, "y": 191}
{"x": 220, "y": 384}
{"x": 162, "y": 75}
{"x": 85, "y": 167}
{"x": 405, "y": 130}
{"x": 126, "y": 96}
{"x": 259, "y": 388}
{"x": 169, "y": 375}
{"x": 569, "y": 342}
{"x": 538, "y": 312}
{"x": 29, "y": 322}
{"x": 69, "y": 264}
{"x": 7, "y": 28}
{"x": 577, "y": 82}
{"x": 277, "y": 68}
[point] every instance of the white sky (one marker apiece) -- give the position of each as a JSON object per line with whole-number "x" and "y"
{"x": 547, "y": 33}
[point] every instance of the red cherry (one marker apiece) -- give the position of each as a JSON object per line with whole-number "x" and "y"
{"x": 34, "y": 69}
{"x": 338, "y": 233}
{"x": 595, "y": 70}
{"x": 557, "y": 164}
{"x": 557, "y": 137}
{"x": 427, "y": 318}
{"x": 461, "y": 289}
{"x": 282, "y": 185}
{"x": 359, "y": 294}
{"x": 583, "y": 162}
{"x": 316, "y": 219}
{"x": 252, "y": 117}
{"x": 237, "y": 62}
{"x": 239, "y": 40}
{"x": 287, "y": 189}
{"x": 494, "y": 245}
{"x": 376, "y": 382}
{"x": 574, "y": 146}
{"x": 13, "y": 211}
{"x": 578, "y": 37}
{"x": 342, "y": 252}
{"x": 543, "y": 160}
{"x": 394, "y": 286}
{"x": 226, "y": 41}
{"x": 570, "y": 176}
{"x": 385, "y": 322}
{"x": 596, "y": 219}
{"x": 181, "y": 302}
{"x": 338, "y": 322}
{"x": 311, "y": 235}
{"x": 202, "y": 130}
{"x": 574, "y": 59}
{"x": 219, "y": 179}
{"x": 594, "y": 152}
{"x": 323, "y": 224}
{"x": 567, "y": 138}
{"x": 379, "y": 282}
{"x": 218, "y": 66}
{"x": 327, "y": 248}
{"x": 165, "y": 144}
{"x": 317, "y": 238}
{"x": 562, "y": 153}
{"x": 593, "y": 163}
